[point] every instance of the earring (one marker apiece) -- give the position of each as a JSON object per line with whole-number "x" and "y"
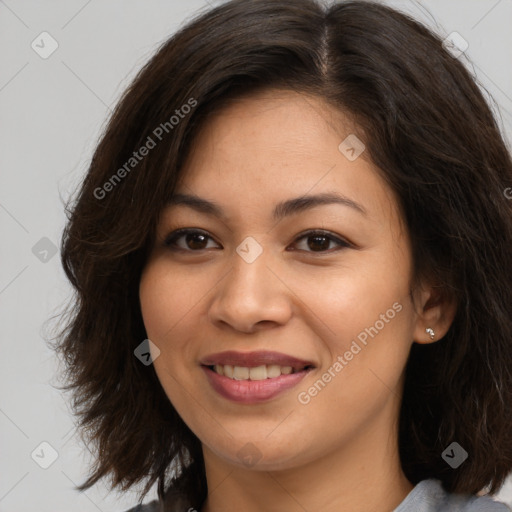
{"x": 430, "y": 332}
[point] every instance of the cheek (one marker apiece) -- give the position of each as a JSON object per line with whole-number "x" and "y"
{"x": 343, "y": 302}
{"x": 172, "y": 309}
{"x": 165, "y": 299}
{"x": 365, "y": 316}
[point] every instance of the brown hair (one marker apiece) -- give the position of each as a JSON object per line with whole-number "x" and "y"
{"x": 430, "y": 132}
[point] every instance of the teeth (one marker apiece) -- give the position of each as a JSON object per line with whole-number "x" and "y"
{"x": 273, "y": 370}
{"x": 240, "y": 373}
{"x": 255, "y": 373}
{"x": 258, "y": 373}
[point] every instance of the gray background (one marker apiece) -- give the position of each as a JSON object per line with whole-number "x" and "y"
{"x": 51, "y": 113}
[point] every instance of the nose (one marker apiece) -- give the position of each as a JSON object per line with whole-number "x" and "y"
{"x": 251, "y": 296}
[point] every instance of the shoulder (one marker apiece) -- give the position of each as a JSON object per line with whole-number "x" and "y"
{"x": 430, "y": 496}
{"x": 484, "y": 504}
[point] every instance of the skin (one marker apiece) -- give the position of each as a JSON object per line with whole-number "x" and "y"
{"x": 339, "y": 451}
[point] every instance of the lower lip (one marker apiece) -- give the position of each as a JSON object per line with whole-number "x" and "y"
{"x": 252, "y": 391}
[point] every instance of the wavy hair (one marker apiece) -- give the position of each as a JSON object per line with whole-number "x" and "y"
{"x": 429, "y": 131}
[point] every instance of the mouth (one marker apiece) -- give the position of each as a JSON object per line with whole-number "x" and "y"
{"x": 252, "y": 377}
{"x": 258, "y": 365}
{"x": 261, "y": 372}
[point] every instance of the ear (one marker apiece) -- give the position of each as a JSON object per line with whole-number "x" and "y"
{"x": 436, "y": 310}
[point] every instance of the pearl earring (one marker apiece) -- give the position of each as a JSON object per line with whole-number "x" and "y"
{"x": 430, "y": 332}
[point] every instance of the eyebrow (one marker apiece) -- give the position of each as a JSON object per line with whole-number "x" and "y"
{"x": 281, "y": 210}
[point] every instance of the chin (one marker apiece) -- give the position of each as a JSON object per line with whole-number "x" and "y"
{"x": 259, "y": 453}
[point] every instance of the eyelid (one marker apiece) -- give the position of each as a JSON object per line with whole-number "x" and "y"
{"x": 342, "y": 243}
{"x": 178, "y": 233}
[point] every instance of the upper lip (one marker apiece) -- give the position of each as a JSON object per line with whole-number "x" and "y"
{"x": 252, "y": 359}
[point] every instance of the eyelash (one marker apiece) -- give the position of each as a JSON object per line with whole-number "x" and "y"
{"x": 171, "y": 239}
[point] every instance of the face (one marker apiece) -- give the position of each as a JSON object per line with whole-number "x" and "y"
{"x": 321, "y": 286}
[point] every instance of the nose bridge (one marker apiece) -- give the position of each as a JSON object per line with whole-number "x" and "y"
{"x": 250, "y": 292}
{"x": 250, "y": 275}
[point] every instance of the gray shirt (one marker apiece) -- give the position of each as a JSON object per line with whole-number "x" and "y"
{"x": 426, "y": 496}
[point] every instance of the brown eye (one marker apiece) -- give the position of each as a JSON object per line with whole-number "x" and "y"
{"x": 193, "y": 240}
{"x": 319, "y": 241}
{"x": 189, "y": 240}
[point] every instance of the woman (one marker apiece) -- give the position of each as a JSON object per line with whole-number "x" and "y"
{"x": 291, "y": 257}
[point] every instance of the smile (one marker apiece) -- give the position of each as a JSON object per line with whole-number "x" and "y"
{"x": 248, "y": 391}
{"x": 252, "y": 377}
{"x": 254, "y": 373}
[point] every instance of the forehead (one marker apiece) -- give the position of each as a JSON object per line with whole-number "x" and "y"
{"x": 273, "y": 126}
{"x": 265, "y": 148}
{"x": 267, "y": 132}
